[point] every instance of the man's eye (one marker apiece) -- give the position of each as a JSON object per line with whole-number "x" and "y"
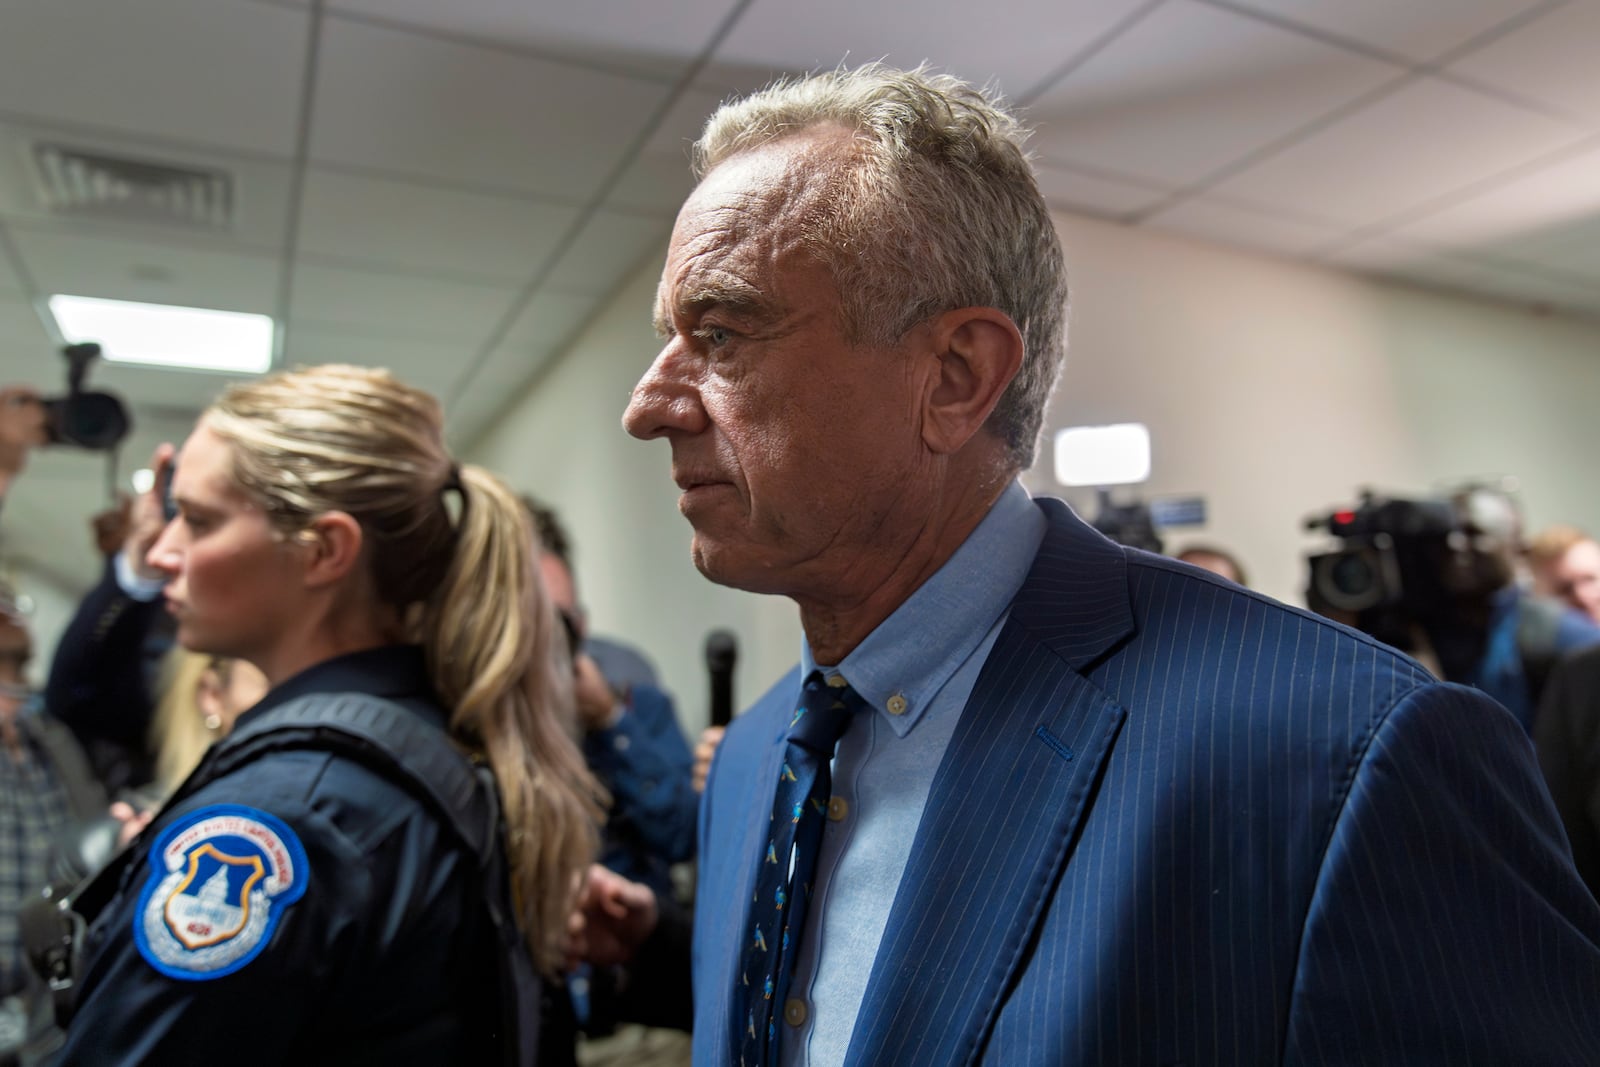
{"x": 715, "y": 336}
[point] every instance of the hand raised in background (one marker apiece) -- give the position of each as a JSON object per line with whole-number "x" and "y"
{"x": 710, "y": 738}
{"x": 612, "y": 918}
{"x": 110, "y": 527}
{"x": 22, "y": 428}
{"x": 148, "y": 515}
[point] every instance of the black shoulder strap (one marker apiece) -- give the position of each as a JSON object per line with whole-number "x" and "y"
{"x": 380, "y": 734}
{"x": 387, "y": 738}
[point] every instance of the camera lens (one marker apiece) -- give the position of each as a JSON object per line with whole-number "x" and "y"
{"x": 1352, "y": 576}
{"x": 92, "y": 420}
{"x": 1350, "y": 580}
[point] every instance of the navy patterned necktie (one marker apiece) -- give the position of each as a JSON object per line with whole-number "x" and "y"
{"x": 783, "y": 888}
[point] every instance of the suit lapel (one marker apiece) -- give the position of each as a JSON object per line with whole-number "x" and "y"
{"x": 1004, "y": 809}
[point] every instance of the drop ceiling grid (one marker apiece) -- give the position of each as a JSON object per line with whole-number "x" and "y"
{"x": 1416, "y": 32}
{"x": 1172, "y": 100}
{"x": 134, "y": 269}
{"x": 136, "y": 68}
{"x": 643, "y": 37}
{"x": 406, "y": 104}
{"x": 950, "y": 34}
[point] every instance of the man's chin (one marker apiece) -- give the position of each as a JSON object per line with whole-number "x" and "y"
{"x": 724, "y": 566}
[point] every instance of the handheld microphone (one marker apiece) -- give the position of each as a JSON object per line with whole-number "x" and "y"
{"x": 722, "y": 649}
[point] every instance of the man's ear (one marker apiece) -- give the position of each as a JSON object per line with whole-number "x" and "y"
{"x": 333, "y": 548}
{"x": 978, "y": 350}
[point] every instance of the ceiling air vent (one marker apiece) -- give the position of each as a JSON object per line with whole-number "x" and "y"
{"x": 85, "y": 184}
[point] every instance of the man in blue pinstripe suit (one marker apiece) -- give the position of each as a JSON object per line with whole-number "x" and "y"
{"x": 1101, "y": 808}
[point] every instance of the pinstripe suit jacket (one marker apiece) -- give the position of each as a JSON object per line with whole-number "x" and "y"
{"x": 1180, "y": 823}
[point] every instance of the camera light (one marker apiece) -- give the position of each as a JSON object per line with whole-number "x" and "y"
{"x": 162, "y": 335}
{"x": 1103, "y": 455}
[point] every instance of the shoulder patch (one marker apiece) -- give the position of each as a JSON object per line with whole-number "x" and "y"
{"x": 220, "y": 879}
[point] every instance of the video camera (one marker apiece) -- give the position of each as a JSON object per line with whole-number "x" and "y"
{"x": 92, "y": 420}
{"x": 1406, "y": 563}
{"x": 1138, "y": 524}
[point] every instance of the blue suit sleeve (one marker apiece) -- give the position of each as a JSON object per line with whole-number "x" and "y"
{"x": 1448, "y": 924}
{"x": 98, "y": 684}
{"x": 646, "y": 764}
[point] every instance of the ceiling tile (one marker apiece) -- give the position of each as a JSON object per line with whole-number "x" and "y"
{"x": 1538, "y": 290}
{"x": 611, "y": 247}
{"x": 821, "y": 35}
{"x": 427, "y": 228}
{"x": 1555, "y": 60}
{"x": 10, "y": 284}
{"x": 1424, "y": 141}
{"x": 657, "y": 183}
{"x": 1533, "y": 208}
{"x": 396, "y": 305}
{"x": 1190, "y": 90}
{"x": 540, "y": 333}
{"x": 479, "y": 116}
{"x": 430, "y": 366}
{"x": 128, "y": 269}
{"x": 198, "y": 71}
{"x": 27, "y": 352}
{"x": 1214, "y": 219}
{"x": 1419, "y": 30}
{"x": 1572, "y": 250}
{"x": 1442, "y": 269}
{"x": 549, "y": 320}
{"x": 1396, "y": 256}
{"x": 644, "y": 34}
{"x": 493, "y": 390}
{"x": 681, "y": 126}
{"x": 261, "y": 190}
{"x": 1067, "y": 189}
{"x": 660, "y": 177}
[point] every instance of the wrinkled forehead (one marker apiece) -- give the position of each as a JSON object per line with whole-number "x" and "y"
{"x": 750, "y": 212}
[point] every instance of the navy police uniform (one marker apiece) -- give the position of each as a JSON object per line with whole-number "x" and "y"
{"x": 303, "y": 908}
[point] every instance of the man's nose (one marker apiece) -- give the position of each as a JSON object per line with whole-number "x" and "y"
{"x": 666, "y": 400}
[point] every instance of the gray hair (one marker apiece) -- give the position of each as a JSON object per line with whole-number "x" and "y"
{"x": 937, "y": 209}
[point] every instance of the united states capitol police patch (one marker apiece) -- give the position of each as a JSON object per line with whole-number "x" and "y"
{"x": 220, "y": 880}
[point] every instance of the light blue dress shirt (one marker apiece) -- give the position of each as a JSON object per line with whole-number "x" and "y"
{"x": 916, "y": 670}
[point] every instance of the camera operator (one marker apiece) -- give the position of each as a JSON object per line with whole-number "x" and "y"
{"x": 1438, "y": 578}
{"x": 45, "y": 782}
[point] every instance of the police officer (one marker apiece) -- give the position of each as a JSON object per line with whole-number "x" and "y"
{"x": 307, "y": 906}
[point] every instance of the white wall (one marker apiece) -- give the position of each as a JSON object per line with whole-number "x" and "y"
{"x": 1276, "y": 390}
{"x": 1272, "y": 389}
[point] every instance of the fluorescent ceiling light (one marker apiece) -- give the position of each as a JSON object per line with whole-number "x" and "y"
{"x": 160, "y": 335}
{"x": 1103, "y": 455}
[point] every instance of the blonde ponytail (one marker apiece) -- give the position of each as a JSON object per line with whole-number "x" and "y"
{"x": 356, "y": 440}
{"x": 496, "y": 659}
